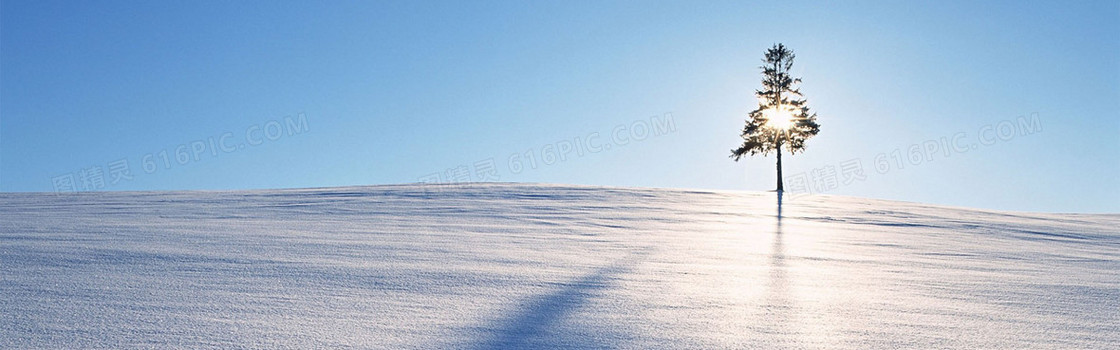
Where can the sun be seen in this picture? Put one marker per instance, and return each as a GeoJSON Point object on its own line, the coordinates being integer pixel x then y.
{"type": "Point", "coordinates": [779, 118]}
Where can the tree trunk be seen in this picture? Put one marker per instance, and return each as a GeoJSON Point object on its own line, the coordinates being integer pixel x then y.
{"type": "Point", "coordinates": [778, 104]}
{"type": "Point", "coordinates": [780, 166]}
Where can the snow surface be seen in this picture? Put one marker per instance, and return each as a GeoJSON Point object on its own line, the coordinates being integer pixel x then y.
{"type": "Point", "coordinates": [487, 266]}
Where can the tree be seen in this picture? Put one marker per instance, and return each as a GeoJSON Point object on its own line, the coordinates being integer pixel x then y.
{"type": "Point", "coordinates": [782, 117]}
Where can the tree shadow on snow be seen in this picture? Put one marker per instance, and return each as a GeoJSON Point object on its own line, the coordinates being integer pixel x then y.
{"type": "Point", "coordinates": [540, 321]}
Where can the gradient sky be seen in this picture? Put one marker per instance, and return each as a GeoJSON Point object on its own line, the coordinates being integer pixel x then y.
{"type": "Point", "coordinates": [404, 91]}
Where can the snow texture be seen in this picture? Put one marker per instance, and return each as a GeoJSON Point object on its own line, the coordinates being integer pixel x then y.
{"type": "Point", "coordinates": [497, 266]}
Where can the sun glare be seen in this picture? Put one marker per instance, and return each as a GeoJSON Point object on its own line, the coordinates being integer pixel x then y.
{"type": "Point", "coordinates": [779, 118]}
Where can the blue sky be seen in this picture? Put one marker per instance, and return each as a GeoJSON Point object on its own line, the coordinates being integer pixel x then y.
{"type": "Point", "coordinates": [273, 94]}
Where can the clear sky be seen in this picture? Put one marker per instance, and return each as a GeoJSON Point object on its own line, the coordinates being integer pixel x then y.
{"type": "Point", "coordinates": [1004, 105]}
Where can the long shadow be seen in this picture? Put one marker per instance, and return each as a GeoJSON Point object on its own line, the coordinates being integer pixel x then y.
{"type": "Point", "coordinates": [778, 251]}
{"type": "Point", "coordinates": [779, 212]}
{"type": "Point", "coordinates": [535, 325]}
{"type": "Point", "coordinates": [778, 301]}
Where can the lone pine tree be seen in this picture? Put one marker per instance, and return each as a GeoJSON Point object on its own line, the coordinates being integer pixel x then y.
{"type": "Point", "coordinates": [782, 117]}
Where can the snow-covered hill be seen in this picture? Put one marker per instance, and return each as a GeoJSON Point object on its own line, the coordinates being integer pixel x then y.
{"type": "Point", "coordinates": [514, 265]}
